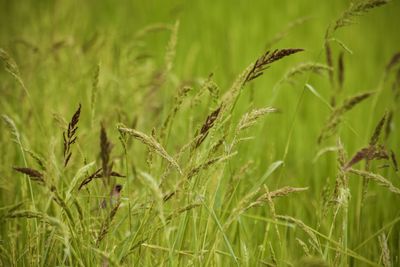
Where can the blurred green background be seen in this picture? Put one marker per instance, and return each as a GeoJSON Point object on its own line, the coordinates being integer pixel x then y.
{"type": "Point", "coordinates": [57, 44]}
{"type": "Point", "coordinates": [48, 40]}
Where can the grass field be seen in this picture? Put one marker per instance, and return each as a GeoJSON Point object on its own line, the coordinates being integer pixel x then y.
{"type": "Point", "coordinates": [199, 133]}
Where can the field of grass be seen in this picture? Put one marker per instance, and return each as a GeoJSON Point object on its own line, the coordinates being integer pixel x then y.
{"type": "Point", "coordinates": [199, 133]}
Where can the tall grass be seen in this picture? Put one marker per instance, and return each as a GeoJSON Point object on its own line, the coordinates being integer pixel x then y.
{"type": "Point", "coordinates": [135, 161]}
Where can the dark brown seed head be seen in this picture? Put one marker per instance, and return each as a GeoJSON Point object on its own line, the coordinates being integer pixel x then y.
{"type": "Point", "coordinates": [378, 130]}
{"type": "Point", "coordinates": [208, 124]}
{"type": "Point", "coordinates": [28, 171]}
{"type": "Point", "coordinates": [268, 58]}
{"type": "Point", "coordinates": [34, 175]}
{"type": "Point", "coordinates": [341, 70]}
{"type": "Point", "coordinates": [70, 135]}
{"type": "Point", "coordinates": [105, 147]}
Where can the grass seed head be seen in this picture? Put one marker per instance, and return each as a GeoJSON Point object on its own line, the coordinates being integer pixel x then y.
{"type": "Point", "coordinates": [356, 10]}
{"type": "Point", "coordinates": [105, 152]}
{"type": "Point", "coordinates": [70, 135]}
{"type": "Point", "coordinates": [208, 124]}
{"type": "Point", "coordinates": [268, 58]}
{"type": "Point", "coordinates": [33, 174]}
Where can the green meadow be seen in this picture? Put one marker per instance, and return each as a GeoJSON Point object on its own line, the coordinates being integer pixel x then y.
{"type": "Point", "coordinates": [199, 133]}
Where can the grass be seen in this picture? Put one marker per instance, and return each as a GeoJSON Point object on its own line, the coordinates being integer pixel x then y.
{"type": "Point", "coordinates": [199, 134]}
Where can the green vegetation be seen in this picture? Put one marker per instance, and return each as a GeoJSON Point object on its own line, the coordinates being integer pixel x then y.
{"type": "Point", "coordinates": [199, 133]}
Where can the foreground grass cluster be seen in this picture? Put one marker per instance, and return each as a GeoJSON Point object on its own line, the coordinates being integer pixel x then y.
{"type": "Point", "coordinates": [110, 158]}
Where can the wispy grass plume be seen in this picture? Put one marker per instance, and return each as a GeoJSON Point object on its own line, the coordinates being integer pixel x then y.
{"type": "Point", "coordinates": [152, 144]}
{"type": "Point", "coordinates": [250, 118]}
{"type": "Point", "coordinates": [306, 67]}
{"type": "Point", "coordinates": [356, 10]}
{"type": "Point", "coordinates": [377, 178]}
{"type": "Point", "coordinates": [95, 89]}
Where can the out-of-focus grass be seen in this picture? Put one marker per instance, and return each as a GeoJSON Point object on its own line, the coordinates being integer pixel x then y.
{"type": "Point", "coordinates": [57, 46]}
